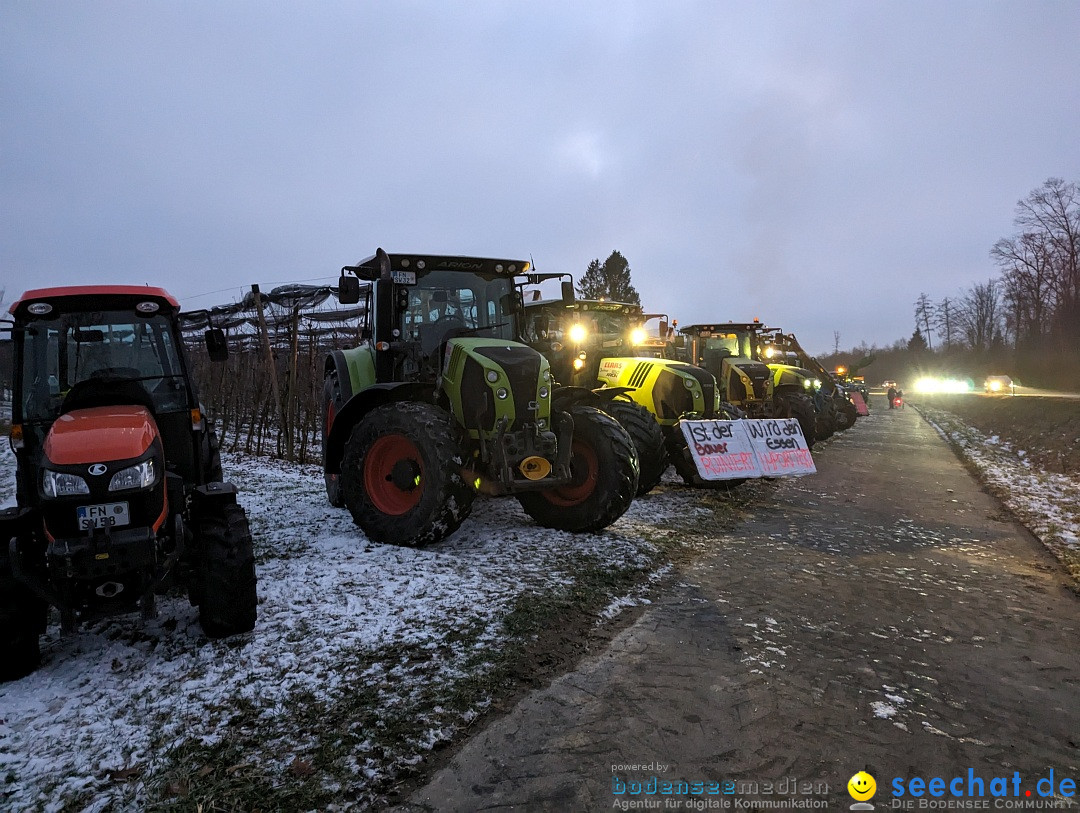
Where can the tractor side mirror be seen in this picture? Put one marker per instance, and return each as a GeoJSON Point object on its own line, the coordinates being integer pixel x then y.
{"type": "Point", "coordinates": [567, 290]}
{"type": "Point", "coordinates": [348, 290]}
{"type": "Point", "coordinates": [216, 345]}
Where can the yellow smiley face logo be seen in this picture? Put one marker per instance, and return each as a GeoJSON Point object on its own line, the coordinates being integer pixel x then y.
{"type": "Point", "coordinates": [861, 786]}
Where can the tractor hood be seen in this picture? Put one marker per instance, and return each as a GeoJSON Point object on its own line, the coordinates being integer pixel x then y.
{"type": "Point", "coordinates": [488, 379]}
{"type": "Point", "coordinates": [788, 375]}
{"type": "Point", "coordinates": [99, 434]}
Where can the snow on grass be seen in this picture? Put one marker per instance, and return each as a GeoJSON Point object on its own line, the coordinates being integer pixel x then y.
{"type": "Point", "coordinates": [339, 618]}
{"type": "Point", "coordinates": [1047, 503]}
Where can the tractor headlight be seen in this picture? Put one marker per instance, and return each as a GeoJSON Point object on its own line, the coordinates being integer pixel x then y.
{"type": "Point", "coordinates": [502, 394]}
{"type": "Point", "coordinates": [807, 383]}
{"type": "Point", "coordinates": [579, 364]}
{"type": "Point", "coordinates": [638, 336]}
{"type": "Point", "coordinates": [817, 383]}
{"type": "Point", "coordinates": [492, 376]}
{"type": "Point", "coordinates": [140, 475]}
{"type": "Point", "coordinates": [578, 333]}
{"type": "Point", "coordinates": [543, 392]}
{"type": "Point", "coordinates": [688, 383]}
{"type": "Point", "coordinates": [62, 484]}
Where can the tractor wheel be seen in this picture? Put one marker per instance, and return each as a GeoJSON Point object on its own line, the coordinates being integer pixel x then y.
{"type": "Point", "coordinates": [401, 476]}
{"type": "Point", "coordinates": [21, 619]}
{"type": "Point", "coordinates": [825, 423]}
{"type": "Point", "coordinates": [331, 398]}
{"type": "Point", "coordinates": [683, 461]}
{"type": "Point", "coordinates": [846, 416]}
{"type": "Point", "coordinates": [648, 439]}
{"type": "Point", "coordinates": [225, 571]}
{"type": "Point", "coordinates": [604, 471]}
{"type": "Point", "coordinates": [790, 405]}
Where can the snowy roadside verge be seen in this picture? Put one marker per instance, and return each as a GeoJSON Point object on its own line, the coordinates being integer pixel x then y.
{"type": "Point", "coordinates": [1047, 503]}
{"type": "Point", "coordinates": [365, 659]}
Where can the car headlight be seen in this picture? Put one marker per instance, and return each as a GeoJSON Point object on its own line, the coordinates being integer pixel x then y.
{"type": "Point", "coordinates": [140, 475]}
{"type": "Point", "coordinates": [62, 484]}
{"type": "Point", "coordinates": [578, 333]}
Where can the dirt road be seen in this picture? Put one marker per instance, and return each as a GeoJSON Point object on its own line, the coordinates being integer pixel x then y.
{"type": "Point", "coordinates": [885, 615]}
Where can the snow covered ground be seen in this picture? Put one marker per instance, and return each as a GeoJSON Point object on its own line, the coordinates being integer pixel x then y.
{"type": "Point", "coordinates": [99, 722]}
{"type": "Point", "coordinates": [1046, 502]}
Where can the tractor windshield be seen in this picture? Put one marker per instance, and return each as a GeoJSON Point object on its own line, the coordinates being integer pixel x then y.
{"type": "Point", "coordinates": [443, 304]}
{"type": "Point", "coordinates": [728, 344]}
{"type": "Point", "coordinates": [60, 353]}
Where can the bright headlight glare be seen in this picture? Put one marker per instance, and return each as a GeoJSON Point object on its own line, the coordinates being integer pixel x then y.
{"type": "Point", "coordinates": [638, 336]}
{"type": "Point", "coordinates": [806, 382]}
{"type": "Point", "coordinates": [578, 333]}
{"type": "Point", "coordinates": [817, 383]}
{"type": "Point", "coordinates": [579, 363]}
{"type": "Point", "coordinates": [140, 475]}
{"type": "Point", "coordinates": [62, 484]}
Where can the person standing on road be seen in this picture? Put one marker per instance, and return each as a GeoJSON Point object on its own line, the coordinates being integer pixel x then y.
{"type": "Point", "coordinates": [891, 396]}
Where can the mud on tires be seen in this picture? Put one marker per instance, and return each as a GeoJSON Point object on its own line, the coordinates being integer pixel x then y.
{"type": "Point", "coordinates": [401, 475]}
{"type": "Point", "coordinates": [647, 437]}
{"type": "Point", "coordinates": [604, 467]}
{"type": "Point", "coordinates": [225, 571]}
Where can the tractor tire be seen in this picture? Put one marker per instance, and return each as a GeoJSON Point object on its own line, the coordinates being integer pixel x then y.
{"type": "Point", "coordinates": [648, 439]}
{"type": "Point", "coordinates": [683, 461]}
{"type": "Point", "coordinates": [225, 571]}
{"type": "Point", "coordinates": [401, 476]}
{"type": "Point", "coordinates": [331, 398]}
{"type": "Point", "coordinates": [22, 617]}
{"type": "Point", "coordinates": [605, 473]}
{"type": "Point", "coordinates": [825, 423]}
{"type": "Point", "coordinates": [846, 417]}
{"type": "Point", "coordinates": [790, 405]}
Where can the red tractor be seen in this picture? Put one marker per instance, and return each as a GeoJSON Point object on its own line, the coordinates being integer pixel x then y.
{"type": "Point", "coordinates": [118, 477]}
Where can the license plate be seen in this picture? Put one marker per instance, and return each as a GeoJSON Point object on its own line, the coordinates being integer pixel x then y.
{"type": "Point", "coordinates": [106, 515]}
{"type": "Point", "coordinates": [403, 277]}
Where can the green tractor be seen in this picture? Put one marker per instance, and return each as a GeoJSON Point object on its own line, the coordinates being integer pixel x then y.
{"type": "Point", "coordinates": [733, 353]}
{"type": "Point", "coordinates": [835, 409]}
{"type": "Point", "coordinates": [440, 402]}
{"type": "Point", "coordinates": [604, 347]}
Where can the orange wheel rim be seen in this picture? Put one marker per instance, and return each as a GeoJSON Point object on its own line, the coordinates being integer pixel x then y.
{"type": "Point", "coordinates": [394, 475]}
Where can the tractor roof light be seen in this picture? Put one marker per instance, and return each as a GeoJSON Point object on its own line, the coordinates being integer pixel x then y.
{"type": "Point", "coordinates": [148, 307]}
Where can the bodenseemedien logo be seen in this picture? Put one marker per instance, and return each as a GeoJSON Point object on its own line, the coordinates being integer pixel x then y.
{"type": "Point", "coordinates": [861, 787]}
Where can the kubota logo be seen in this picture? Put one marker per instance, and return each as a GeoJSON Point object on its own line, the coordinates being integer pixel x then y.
{"type": "Point", "coordinates": [97, 469]}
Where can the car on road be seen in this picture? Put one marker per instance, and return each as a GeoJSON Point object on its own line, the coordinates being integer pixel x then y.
{"type": "Point", "coordinates": [998, 383]}
{"type": "Point", "coordinates": [887, 383]}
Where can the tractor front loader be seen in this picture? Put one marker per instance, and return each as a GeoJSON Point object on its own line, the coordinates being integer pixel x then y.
{"type": "Point", "coordinates": [439, 402]}
{"type": "Point", "coordinates": [118, 476]}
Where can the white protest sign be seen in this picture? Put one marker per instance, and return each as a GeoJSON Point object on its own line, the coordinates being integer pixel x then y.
{"type": "Point", "coordinates": [769, 447]}
{"type": "Point", "coordinates": [780, 447]}
{"type": "Point", "coordinates": [721, 449]}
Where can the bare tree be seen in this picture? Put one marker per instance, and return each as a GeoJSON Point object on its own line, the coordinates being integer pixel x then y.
{"type": "Point", "coordinates": [978, 314]}
{"type": "Point", "coordinates": [924, 311]}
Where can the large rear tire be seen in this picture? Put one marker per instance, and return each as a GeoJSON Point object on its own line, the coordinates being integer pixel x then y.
{"type": "Point", "coordinates": [331, 398]}
{"type": "Point", "coordinates": [800, 407]}
{"type": "Point", "coordinates": [401, 476]}
{"type": "Point", "coordinates": [647, 437]}
{"type": "Point", "coordinates": [604, 468]}
{"type": "Point", "coordinates": [225, 571]}
{"type": "Point", "coordinates": [683, 461]}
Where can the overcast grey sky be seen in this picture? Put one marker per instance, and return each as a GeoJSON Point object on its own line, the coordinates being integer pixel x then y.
{"type": "Point", "coordinates": [813, 164]}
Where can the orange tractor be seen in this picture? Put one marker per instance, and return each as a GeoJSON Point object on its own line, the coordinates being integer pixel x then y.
{"type": "Point", "coordinates": [118, 478]}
